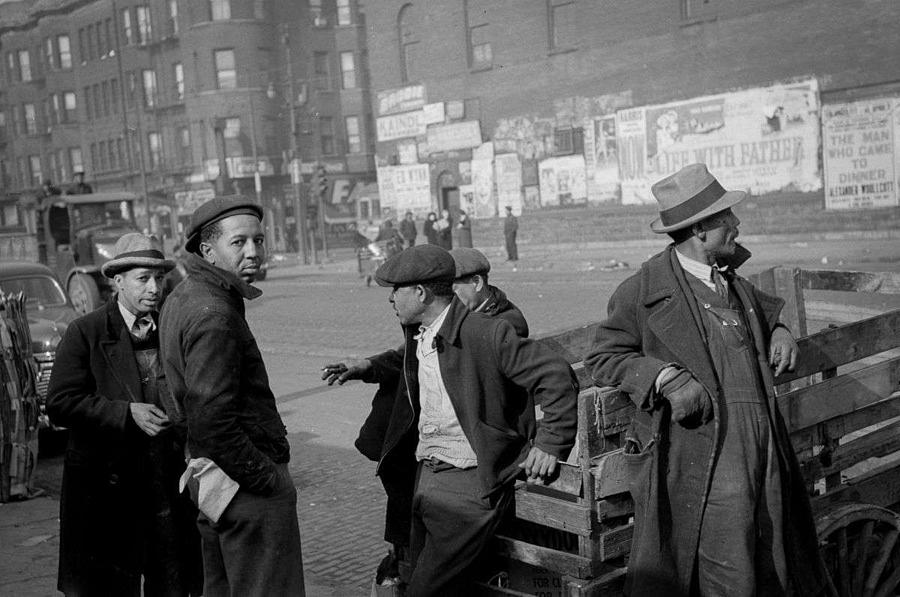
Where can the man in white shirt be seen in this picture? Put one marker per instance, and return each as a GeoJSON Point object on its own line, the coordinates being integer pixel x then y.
{"type": "Point", "coordinates": [720, 504]}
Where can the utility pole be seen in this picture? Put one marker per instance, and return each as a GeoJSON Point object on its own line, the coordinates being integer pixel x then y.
{"type": "Point", "coordinates": [299, 199]}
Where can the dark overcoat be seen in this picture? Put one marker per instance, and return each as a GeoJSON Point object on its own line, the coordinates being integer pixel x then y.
{"type": "Point", "coordinates": [651, 323]}
{"type": "Point", "coordinates": [106, 477]}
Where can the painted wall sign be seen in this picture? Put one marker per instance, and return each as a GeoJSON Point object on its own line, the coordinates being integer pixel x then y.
{"type": "Point", "coordinates": [400, 126]}
{"type": "Point", "coordinates": [860, 151]}
{"type": "Point", "coordinates": [761, 140]}
{"type": "Point", "coordinates": [403, 99]}
{"type": "Point", "coordinates": [456, 135]}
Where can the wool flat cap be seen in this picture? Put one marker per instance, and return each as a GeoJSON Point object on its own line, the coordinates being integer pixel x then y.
{"type": "Point", "coordinates": [216, 209]}
{"type": "Point", "coordinates": [469, 261]}
{"type": "Point", "coordinates": [422, 263]}
{"type": "Point", "coordinates": [136, 250]}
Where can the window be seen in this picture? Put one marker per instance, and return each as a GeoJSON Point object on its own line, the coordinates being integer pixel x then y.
{"type": "Point", "coordinates": [320, 70]}
{"type": "Point", "coordinates": [105, 93]}
{"type": "Point", "coordinates": [114, 95]}
{"type": "Point", "coordinates": [480, 54]}
{"type": "Point", "coordinates": [225, 73]}
{"type": "Point", "coordinates": [102, 155]}
{"type": "Point", "coordinates": [259, 10]}
{"type": "Point", "coordinates": [95, 161]}
{"type": "Point", "coordinates": [110, 42]}
{"type": "Point", "coordinates": [75, 159]}
{"type": "Point", "coordinates": [407, 41]}
{"type": "Point", "coordinates": [61, 161]}
{"type": "Point", "coordinates": [354, 141]}
{"type": "Point", "coordinates": [154, 150]}
{"type": "Point", "coordinates": [232, 133]}
{"type": "Point", "coordinates": [348, 70]}
{"type": "Point", "coordinates": [132, 88]}
{"type": "Point", "coordinates": [91, 54]}
{"type": "Point", "coordinates": [53, 167]}
{"type": "Point", "coordinates": [48, 52]}
{"type": "Point", "coordinates": [145, 32]}
{"type": "Point", "coordinates": [70, 107]}
{"type": "Point", "coordinates": [30, 119]}
{"type": "Point", "coordinates": [102, 50]}
{"type": "Point", "coordinates": [178, 75]}
{"type": "Point", "coordinates": [24, 65]}
{"type": "Point", "coordinates": [173, 18]}
{"type": "Point", "coordinates": [315, 9]}
{"type": "Point", "coordinates": [344, 16]}
{"type": "Point", "coordinates": [97, 100]}
{"type": "Point", "coordinates": [34, 168]}
{"type": "Point", "coordinates": [562, 23]}
{"type": "Point", "coordinates": [326, 132]}
{"type": "Point", "coordinates": [120, 152]}
{"type": "Point", "coordinates": [64, 51]}
{"type": "Point", "coordinates": [47, 115]}
{"type": "Point", "coordinates": [111, 152]}
{"type": "Point", "coordinates": [88, 107]}
{"type": "Point", "coordinates": [219, 10]}
{"type": "Point", "coordinates": [184, 145]}
{"type": "Point", "coordinates": [127, 29]}
{"type": "Point", "coordinates": [2, 119]}
{"type": "Point", "coordinates": [82, 47]}
{"type": "Point", "coordinates": [568, 140]}
{"type": "Point", "coordinates": [149, 79]}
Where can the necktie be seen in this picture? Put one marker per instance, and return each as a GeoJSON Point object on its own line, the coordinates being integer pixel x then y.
{"type": "Point", "coordinates": [719, 282]}
{"type": "Point", "coordinates": [142, 327]}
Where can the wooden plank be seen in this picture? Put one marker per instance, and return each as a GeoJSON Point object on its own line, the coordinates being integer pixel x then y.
{"type": "Point", "coordinates": [832, 348]}
{"type": "Point", "coordinates": [880, 282]}
{"type": "Point", "coordinates": [839, 313]}
{"type": "Point", "coordinates": [879, 486]}
{"type": "Point", "coordinates": [617, 410]}
{"type": "Point", "coordinates": [553, 512]}
{"type": "Point", "coordinates": [840, 395]}
{"type": "Point", "coordinates": [817, 435]}
{"type": "Point", "coordinates": [615, 543]}
{"type": "Point", "coordinates": [614, 506]}
{"type": "Point", "coordinates": [543, 557]}
{"type": "Point", "coordinates": [880, 442]}
{"type": "Point", "coordinates": [610, 474]}
{"type": "Point", "coordinates": [569, 480]}
{"type": "Point", "coordinates": [787, 286]}
{"type": "Point", "coordinates": [610, 584]}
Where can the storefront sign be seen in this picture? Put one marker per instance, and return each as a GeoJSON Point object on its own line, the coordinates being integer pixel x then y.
{"type": "Point", "coordinates": [860, 152]}
{"type": "Point", "coordinates": [240, 167]}
{"type": "Point", "coordinates": [457, 135]}
{"type": "Point", "coordinates": [400, 126]}
{"type": "Point", "coordinates": [392, 101]}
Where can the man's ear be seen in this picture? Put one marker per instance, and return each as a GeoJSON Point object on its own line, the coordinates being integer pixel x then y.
{"type": "Point", "coordinates": [422, 294]}
{"type": "Point", "coordinates": [479, 284]}
{"type": "Point", "coordinates": [699, 231]}
{"type": "Point", "coordinates": [206, 252]}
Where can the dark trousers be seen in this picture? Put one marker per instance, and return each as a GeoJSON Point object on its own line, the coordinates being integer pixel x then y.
{"type": "Point", "coordinates": [451, 525]}
{"type": "Point", "coordinates": [254, 548]}
{"type": "Point", "coordinates": [512, 250]}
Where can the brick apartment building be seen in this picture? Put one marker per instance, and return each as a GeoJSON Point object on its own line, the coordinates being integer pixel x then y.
{"type": "Point", "coordinates": [540, 103]}
{"type": "Point", "coordinates": [155, 95]}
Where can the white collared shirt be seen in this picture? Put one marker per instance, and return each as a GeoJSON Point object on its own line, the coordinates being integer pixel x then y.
{"type": "Point", "coordinates": [440, 434]}
{"type": "Point", "coordinates": [130, 317]}
{"type": "Point", "coordinates": [700, 270]}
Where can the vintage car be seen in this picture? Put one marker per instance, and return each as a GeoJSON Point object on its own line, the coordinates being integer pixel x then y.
{"type": "Point", "coordinates": [49, 314]}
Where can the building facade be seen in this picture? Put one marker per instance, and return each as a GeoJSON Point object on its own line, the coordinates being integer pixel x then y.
{"type": "Point", "coordinates": [544, 103]}
{"type": "Point", "coordinates": [179, 100]}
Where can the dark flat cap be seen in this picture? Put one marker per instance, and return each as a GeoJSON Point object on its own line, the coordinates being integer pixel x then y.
{"type": "Point", "coordinates": [469, 261]}
{"type": "Point", "coordinates": [216, 209]}
{"type": "Point", "coordinates": [422, 263]}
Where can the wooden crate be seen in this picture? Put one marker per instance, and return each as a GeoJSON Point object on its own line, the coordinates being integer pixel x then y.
{"type": "Point", "coordinates": [840, 406]}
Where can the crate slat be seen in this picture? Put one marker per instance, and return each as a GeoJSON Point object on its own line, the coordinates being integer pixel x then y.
{"type": "Point", "coordinates": [880, 442]}
{"type": "Point", "coordinates": [573, 517]}
{"type": "Point", "coordinates": [544, 557]}
{"type": "Point", "coordinates": [817, 435]}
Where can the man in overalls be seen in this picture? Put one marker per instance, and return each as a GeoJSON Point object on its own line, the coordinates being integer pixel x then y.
{"type": "Point", "coordinates": [720, 506]}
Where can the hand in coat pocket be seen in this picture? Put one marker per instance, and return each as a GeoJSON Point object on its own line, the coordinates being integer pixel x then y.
{"type": "Point", "coordinates": [688, 399]}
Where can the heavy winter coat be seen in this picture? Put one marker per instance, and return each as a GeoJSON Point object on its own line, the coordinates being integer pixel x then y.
{"type": "Point", "coordinates": [217, 376]}
{"type": "Point", "coordinates": [107, 492]}
{"type": "Point", "coordinates": [653, 322]}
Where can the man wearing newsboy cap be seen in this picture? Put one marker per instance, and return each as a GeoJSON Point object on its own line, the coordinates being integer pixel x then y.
{"type": "Point", "coordinates": [238, 468]}
{"type": "Point", "coordinates": [465, 420]}
{"type": "Point", "coordinates": [720, 506]}
{"type": "Point", "coordinates": [123, 523]}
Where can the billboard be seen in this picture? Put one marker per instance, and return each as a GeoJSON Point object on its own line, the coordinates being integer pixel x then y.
{"type": "Point", "coordinates": [400, 126]}
{"type": "Point", "coordinates": [860, 151]}
{"type": "Point", "coordinates": [403, 99]}
{"type": "Point", "coordinates": [562, 180]}
{"type": "Point", "coordinates": [508, 173]}
{"type": "Point", "coordinates": [759, 140]}
{"type": "Point", "coordinates": [405, 188]}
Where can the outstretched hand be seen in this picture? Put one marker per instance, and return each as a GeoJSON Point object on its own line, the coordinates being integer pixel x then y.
{"type": "Point", "coordinates": [783, 350]}
{"type": "Point", "coordinates": [539, 466]}
{"type": "Point", "coordinates": [345, 371]}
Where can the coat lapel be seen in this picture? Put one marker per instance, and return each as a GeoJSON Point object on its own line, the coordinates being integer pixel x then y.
{"type": "Point", "coordinates": [117, 351]}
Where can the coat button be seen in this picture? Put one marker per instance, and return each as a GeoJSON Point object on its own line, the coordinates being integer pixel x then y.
{"type": "Point", "coordinates": [114, 479]}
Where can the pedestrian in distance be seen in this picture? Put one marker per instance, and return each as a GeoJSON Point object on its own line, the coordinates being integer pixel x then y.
{"type": "Point", "coordinates": [720, 505]}
{"type": "Point", "coordinates": [431, 235]}
{"type": "Point", "coordinates": [239, 453]}
{"type": "Point", "coordinates": [444, 228]}
{"type": "Point", "coordinates": [471, 286]}
{"type": "Point", "coordinates": [464, 230]}
{"type": "Point", "coordinates": [469, 433]}
{"type": "Point", "coordinates": [408, 230]}
{"type": "Point", "coordinates": [510, 230]}
{"type": "Point", "coordinates": [123, 523]}
{"type": "Point", "coordinates": [80, 187]}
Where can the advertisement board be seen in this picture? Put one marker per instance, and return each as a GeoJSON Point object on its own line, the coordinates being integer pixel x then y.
{"type": "Point", "coordinates": [859, 148]}
{"type": "Point", "coordinates": [759, 140]}
{"type": "Point", "coordinates": [400, 126]}
{"type": "Point", "coordinates": [600, 159]}
{"type": "Point", "coordinates": [405, 188]}
{"type": "Point", "coordinates": [508, 174]}
{"type": "Point", "coordinates": [561, 180]}
{"type": "Point", "coordinates": [457, 135]}
{"type": "Point", "coordinates": [403, 99]}
{"type": "Point", "coordinates": [483, 188]}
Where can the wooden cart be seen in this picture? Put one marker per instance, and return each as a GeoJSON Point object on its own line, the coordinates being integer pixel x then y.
{"type": "Point", "coordinates": [841, 405]}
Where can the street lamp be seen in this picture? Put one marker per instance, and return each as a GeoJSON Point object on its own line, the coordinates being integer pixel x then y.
{"type": "Point", "coordinates": [299, 199]}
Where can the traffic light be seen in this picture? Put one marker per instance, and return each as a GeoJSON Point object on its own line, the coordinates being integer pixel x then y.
{"type": "Point", "coordinates": [319, 181]}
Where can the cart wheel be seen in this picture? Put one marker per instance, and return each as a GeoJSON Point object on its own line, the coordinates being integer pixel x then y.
{"type": "Point", "coordinates": [859, 545]}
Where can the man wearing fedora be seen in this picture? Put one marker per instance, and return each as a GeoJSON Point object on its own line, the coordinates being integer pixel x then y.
{"type": "Point", "coordinates": [465, 425]}
{"type": "Point", "coordinates": [121, 516]}
{"type": "Point", "coordinates": [720, 505]}
{"type": "Point", "coordinates": [239, 453]}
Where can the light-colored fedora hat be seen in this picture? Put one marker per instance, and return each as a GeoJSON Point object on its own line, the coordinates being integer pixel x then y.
{"type": "Point", "coordinates": [688, 196]}
{"type": "Point", "coordinates": [136, 250]}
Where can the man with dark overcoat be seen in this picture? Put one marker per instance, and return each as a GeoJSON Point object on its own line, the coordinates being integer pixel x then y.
{"type": "Point", "coordinates": [720, 505]}
{"type": "Point", "coordinates": [237, 441]}
{"type": "Point", "coordinates": [510, 230]}
{"type": "Point", "coordinates": [408, 230]}
{"type": "Point", "coordinates": [123, 523]}
{"type": "Point", "coordinates": [465, 424]}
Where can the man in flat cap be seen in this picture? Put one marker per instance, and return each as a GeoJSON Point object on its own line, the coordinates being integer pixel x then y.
{"type": "Point", "coordinates": [720, 505]}
{"type": "Point", "coordinates": [123, 523]}
{"type": "Point", "coordinates": [471, 285]}
{"type": "Point", "coordinates": [465, 424]}
{"type": "Point", "coordinates": [238, 446]}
